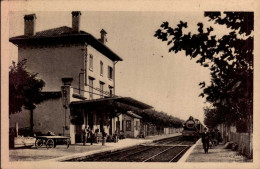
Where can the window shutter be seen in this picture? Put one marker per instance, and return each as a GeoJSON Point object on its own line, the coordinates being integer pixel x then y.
{"type": "Point", "coordinates": [108, 71]}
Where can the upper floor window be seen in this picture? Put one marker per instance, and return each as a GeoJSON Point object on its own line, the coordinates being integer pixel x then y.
{"type": "Point", "coordinates": [91, 62]}
{"type": "Point", "coordinates": [101, 86]}
{"type": "Point", "coordinates": [101, 68]}
{"type": "Point", "coordinates": [110, 72]}
{"type": "Point", "coordinates": [85, 74]}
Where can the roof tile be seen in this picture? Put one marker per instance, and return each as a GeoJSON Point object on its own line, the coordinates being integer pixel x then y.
{"type": "Point", "coordinates": [67, 31]}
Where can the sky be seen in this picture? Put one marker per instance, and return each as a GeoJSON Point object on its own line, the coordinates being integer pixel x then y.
{"type": "Point", "coordinates": [148, 72]}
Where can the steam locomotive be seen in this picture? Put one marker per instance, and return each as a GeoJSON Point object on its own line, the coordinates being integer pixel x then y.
{"type": "Point", "coordinates": [192, 128]}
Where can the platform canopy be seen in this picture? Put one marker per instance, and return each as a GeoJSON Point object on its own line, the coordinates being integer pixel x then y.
{"type": "Point", "coordinates": [117, 104]}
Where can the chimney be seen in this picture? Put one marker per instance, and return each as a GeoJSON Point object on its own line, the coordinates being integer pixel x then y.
{"type": "Point", "coordinates": [76, 21]}
{"type": "Point", "coordinates": [29, 24]}
{"type": "Point", "coordinates": [103, 34]}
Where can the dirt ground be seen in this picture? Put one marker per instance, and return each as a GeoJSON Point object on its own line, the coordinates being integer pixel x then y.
{"type": "Point", "coordinates": [33, 154]}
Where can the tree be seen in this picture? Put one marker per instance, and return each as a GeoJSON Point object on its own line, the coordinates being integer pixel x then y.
{"type": "Point", "coordinates": [229, 58]}
{"type": "Point", "coordinates": [159, 118]}
{"type": "Point", "coordinates": [24, 90]}
{"type": "Point", "coordinates": [212, 117]}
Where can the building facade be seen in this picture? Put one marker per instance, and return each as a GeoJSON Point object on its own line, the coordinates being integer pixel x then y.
{"type": "Point", "coordinates": [80, 70]}
{"type": "Point", "coordinates": [131, 124]}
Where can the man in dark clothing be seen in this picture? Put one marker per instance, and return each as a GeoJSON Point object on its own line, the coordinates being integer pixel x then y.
{"type": "Point", "coordinates": [90, 136]}
{"type": "Point", "coordinates": [205, 140]}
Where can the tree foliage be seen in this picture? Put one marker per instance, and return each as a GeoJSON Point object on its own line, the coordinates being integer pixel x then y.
{"type": "Point", "coordinates": [159, 118]}
{"type": "Point", "coordinates": [212, 117]}
{"type": "Point", "coordinates": [229, 58]}
{"type": "Point", "coordinates": [24, 88]}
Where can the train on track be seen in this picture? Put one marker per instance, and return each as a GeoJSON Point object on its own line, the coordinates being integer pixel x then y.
{"type": "Point", "coordinates": [192, 128]}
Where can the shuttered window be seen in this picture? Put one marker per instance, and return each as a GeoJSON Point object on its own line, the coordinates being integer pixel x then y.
{"type": "Point", "coordinates": [91, 82]}
{"type": "Point", "coordinates": [110, 72]}
{"type": "Point", "coordinates": [128, 125]}
{"type": "Point", "coordinates": [91, 62]}
{"type": "Point", "coordinates": [101, 68]}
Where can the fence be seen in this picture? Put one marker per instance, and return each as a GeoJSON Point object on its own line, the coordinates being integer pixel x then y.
{"type": "Point", "coordinates": [244, 141]}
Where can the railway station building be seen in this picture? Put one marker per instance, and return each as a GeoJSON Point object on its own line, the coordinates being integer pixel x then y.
{"type": "Point", "coordinates": [79, 74]}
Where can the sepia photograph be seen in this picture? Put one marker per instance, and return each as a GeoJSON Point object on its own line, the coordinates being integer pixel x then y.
{"type": "Point", "coordinates": [120, 86]}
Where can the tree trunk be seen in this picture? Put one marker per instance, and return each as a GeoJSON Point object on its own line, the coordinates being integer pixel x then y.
{"type": "Point", "coordinates": [31, 121]}
{"type": "Point", "coordinates": [250, 132]}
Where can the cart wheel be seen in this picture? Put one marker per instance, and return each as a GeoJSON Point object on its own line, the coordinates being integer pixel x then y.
{"type": "Point", "coordinates": [38, 143]}
{"type": "Point", "coordinates": [50, 143]}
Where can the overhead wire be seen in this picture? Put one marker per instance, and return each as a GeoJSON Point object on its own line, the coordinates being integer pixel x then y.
{"type": "Point", "coordinates": [99, 90]}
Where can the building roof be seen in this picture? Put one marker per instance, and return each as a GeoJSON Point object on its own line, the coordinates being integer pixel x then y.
{"type": "Point", "coordinates": [126, 102]}
{"type": "Point", "coordinates": [130, 113]}
{"type": "Point", "coordinates": [65, 33]}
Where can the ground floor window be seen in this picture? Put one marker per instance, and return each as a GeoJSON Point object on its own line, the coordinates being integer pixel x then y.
{"type": "Point", "coordinates": [128, 125]}
{"type": "Point", "coordinates": [111, 91]}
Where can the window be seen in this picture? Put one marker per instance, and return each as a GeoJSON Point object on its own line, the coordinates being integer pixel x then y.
{"type": "Point", "coordinates": [111, 90]}
{"type": "Point", "coordinates": [91, 62]}
{"type": "Point", "coordinates": [128, 125]}
{"type": "Point", "coordinates": [91, 81]}
{"type": "Point", "coordinates": [101, 87]}
{"type": "Point", "coordinates": [101, 68]}
{"type": "Point", "coordinates": [85, 67]}
{"type": "Point", "coordinates": [110, 72]}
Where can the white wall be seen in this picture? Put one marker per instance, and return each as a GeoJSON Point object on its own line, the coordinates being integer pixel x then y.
{"type": "Point", "coordinates": [95, 72]}
{"type": "Point", "coordinates": [22, 118]}
{"type": "Point", "coordinates": [52, 64]}
{"type": "Point", "coordinates": [48, 116]}
{"type": "Point", "coordinates": [136, 130]}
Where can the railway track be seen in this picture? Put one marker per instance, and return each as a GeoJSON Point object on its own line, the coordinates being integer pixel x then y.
{"type": "Point", "coordinates": [164, 150]}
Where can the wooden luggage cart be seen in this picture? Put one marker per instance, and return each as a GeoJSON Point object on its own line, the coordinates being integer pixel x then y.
{"type": "Point", "coordinates": [51, 141]}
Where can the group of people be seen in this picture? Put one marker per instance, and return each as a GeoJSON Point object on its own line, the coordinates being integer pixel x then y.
{"type": "Point", "coordinates": [210, 137]}
{"type": "Point", "coordinates": [88, 135]}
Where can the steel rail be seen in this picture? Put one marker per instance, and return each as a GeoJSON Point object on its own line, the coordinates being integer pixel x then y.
{"type": "Point", "coordinates": [113, 153]}
{"type": "Point", "coordinates": [168, 140]}
{"type": "Point", "coordinates": [188, 143]}
{"type": "Point", "coordinates": [177, 142]}
{"type": "Point", "coordinates": [171, 141]}
{"type": "Point", "coordinates": [98, 157]}
{"type": "Point", "coordinates": [179, 154]}
{"type": "Point", "coordinates": [134, 153]}
{"type": "Point", "coordinates": [158, 153]}
{"type": "Point", "coordinates": [181, 143]}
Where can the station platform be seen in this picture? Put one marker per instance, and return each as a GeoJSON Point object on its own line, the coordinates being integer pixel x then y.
{"type": "Point", "coordinates": [61, 153]}
{"type": "Point", "coordinates": [215, 154]}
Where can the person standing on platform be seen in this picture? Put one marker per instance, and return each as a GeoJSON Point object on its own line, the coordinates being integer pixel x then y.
{"type": "Point", "coordinates": [85, 135]}
{"type": "Point", "coordinates": [205, 140]}
{"type": "Point", "coordinates": [90, 136]}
